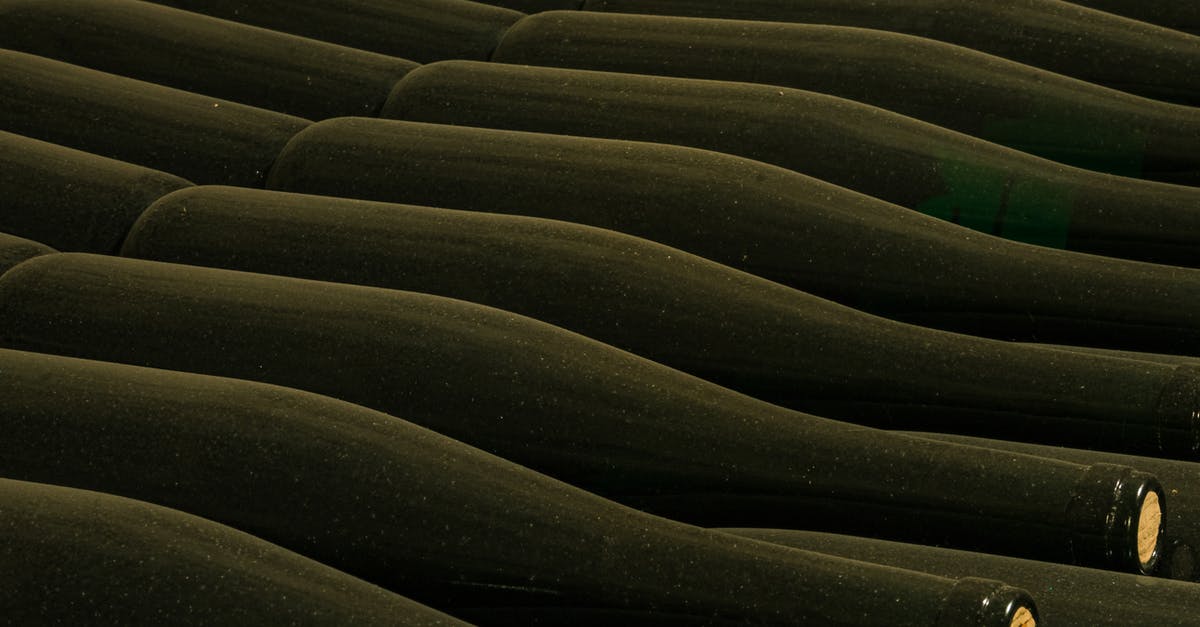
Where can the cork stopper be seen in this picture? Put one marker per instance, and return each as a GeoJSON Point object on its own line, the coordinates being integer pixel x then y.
{"type": "Point", "coordinates": [1023, 618]}
{"type": "Point", "coordinates": [1149, 523]}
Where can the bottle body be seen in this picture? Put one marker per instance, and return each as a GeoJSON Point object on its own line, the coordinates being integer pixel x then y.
{"type": "Point", "coordinates": [737, 330]}
{"type": "Point", "coordinates": [71, 199]}
{"type": "Point", "coordinates": [416, 512]}
{"type": "Point", "coordinates": [978, 94]}
{"type": "Point", "coordinates": [570, 407]}
{"type": "Point", "coordinates": [202, 139]}
{"type": "Point", "coordinates": [1089, 45]}
{"type": "Point", "coordinates": [81, 554]}
{"type": "Point", "coordinates": [1068, 595]}
{"type": "Point", "coordinates": [421, 30]}
{"type": "Point", "coordinates": [929, 169]}
{"type": "Point", "coordinates": [204, 55]}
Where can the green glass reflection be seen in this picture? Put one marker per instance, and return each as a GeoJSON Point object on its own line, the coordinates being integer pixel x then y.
{"type": "Point", "coordinates": [1031, 209]}
{"type": "Point", "coordinates": [994, 202]}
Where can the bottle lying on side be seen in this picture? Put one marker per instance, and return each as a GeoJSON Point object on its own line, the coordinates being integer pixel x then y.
{"type": "Point", "coordinates": [582, 411]}
{"type": "Point", "coordinates": [203, 139]}
{"type": "Point", "coordinates": [764, 220]}
{"type": "Point", "coordinates": [14, 250]}
{"type": "Point", "coordinates": [1181, 539]}
{"type": "Point", "coordinates": [77, 201]}
{"type": "Point", "coordinates": [1082, 43]}
{"type": "Point", "coordinates": [421, 30]}
{"type": "Point", "coordinates": [685, 312]}
{"type": "Point", "coordinates": [1067, 595]}
{"type": "Point", "coordinates": [972, 92]}
{"type": "Point", "coordinates": [78, 557]}
{"type": "Point", "coordinates": [1183, 16]}
{"type": "Point", "coordinates": [73, 200]}
{"type": "Point", "coordinates": [935, 171]}
{"type": "Point", "coordinates": [197, 53]}
{"type": "Point", "coordinates": [436, 520]}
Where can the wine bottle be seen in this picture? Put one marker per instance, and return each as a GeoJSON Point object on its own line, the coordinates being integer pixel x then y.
{"type": "Point", "coordinates": [644, 297]}
{"type": "Point", "coordinates": [661, 303]}
{"type": "Point", "coordinates": [938, 172]}
{"type": "Point", "coordinates": [14, 250]}
{"type": "Point", "coordinates": [1182, 16]}
{"type": "Point", "coordinates": [432, 518]}
{"type": "Point", "coordinates": [972, 92]}
{"type": "Point", "coordinates": [70, 199]}
{"type": "Point", "coordinates": [421, 30]}
{"type": "Point", "coordinates": [771, 222]}
{"type": "Point", "coordinates": [1056, 297]}
{"type": "Point", "coordinates": [218, 58]}
{"type": "Point", "coordinates": [78, 557]}
{"type": "Point", "coordinates": [1067, 595]}
{"type": "Point", "coordinates": [578, 410]}
{"type": "Point", "coordinates": [202, 139]}
{"type": "Point", "coordinates": [1181, 539]}
{"type": "Point", "coordinates": [685, 312]}
{"type": "Point", "coordinates": [1082, 43]}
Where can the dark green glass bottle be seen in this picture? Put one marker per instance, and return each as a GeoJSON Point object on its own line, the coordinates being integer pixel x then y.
{"type": "Point", "coordinates": [749, 334]}
{"type": "Point", "coordinates": [14, 250]}
{"type": "Point", "coordinates": [1181, 539]}
{"type": "Point", "coordinates": [203, 139]}
{"type": "Point", "coordinates": [1066, 595]}
{"type": "Point", "coordinates": [972, 92]}
{"type": "Point", "coordinates": [942, 173]}
{"type": "Point", "coordinates": [197, 53]}
{"type": "Point", "coordinates": [761, 219]}
{"type": "Point", "coordinates": [77, 557]}
{"type": "Point", "coordinates": [419, 513]}
{"type": "Point", "coordinates": [421, 30]}
{"type": "Point", "coordinates": [1066, 38]}
{"type": "Point", "coordinates": [597, 417]}
{"type": "Point", "coordinates": [73, 200]}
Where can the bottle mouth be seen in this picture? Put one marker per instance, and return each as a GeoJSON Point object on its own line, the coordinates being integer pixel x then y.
{"type": "Point", "coordinates": [1117, 514]}
{"type": "Point", "coordinates": [975, 601]}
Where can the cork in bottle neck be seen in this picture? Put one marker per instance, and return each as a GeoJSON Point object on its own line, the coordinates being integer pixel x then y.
{"type": "Point", "coordinates": [1149, 522]}
{"type": "Point", "coordinates": [1023, 618]}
